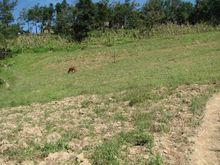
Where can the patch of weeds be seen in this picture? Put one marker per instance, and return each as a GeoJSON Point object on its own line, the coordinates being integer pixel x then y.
{"type": "Point", "coordinates": [85, 104]}
{"type": "Point", "coordinates": [36, 150]}
{"type": "Point", "coordinates": [119, 117]}
{"type": "Point", "coordinates": [140, 95]}
{"type": "Point", "coordinates": [15, 131]}
{"type": "Point", "coordinates": [51, 148]}
{"type": "Point", "coordinates": [46, 114]}
{"type": "Point", "coordinates": [137, 96]}
{"type": "Point", "coordinates": [137, 138]}
{"type": "Point", "coordinates": [107, 153]}
{"type": "Point", "coordinates": [143, 121]}
{"type": "Point", "coordinates": [69, 108]}
{"type": "Point", "coordinates": [160, 127]}
{"type": "Point", "coordinates": [68, 136]}
{"type": "Point", "coordinates": [27, 119]}
{"type": "Point", "coordinates": [99, 111]}
{"type": "Point", "coordinates": [162, 121]}
{"type": "Point", "coordinates": [165, 116]}
{"type": "Point", "coordinates": [49, 126]}
{"type": "Point", "coordinates": [13, 103]}
{"type": "Point", "coordinates": [198, 104]}
{"type": "Point", "coordinates": [87, 124]}
{"type": "Point", "coordinates": [156, 160]}
{"type": "Point", "coordinates": [195, 123]}
{"type": "Point", "coordinates": [21, 154]}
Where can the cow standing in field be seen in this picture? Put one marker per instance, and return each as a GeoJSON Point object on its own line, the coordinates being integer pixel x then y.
{"type": "Point", "coordinates": [72, 69]}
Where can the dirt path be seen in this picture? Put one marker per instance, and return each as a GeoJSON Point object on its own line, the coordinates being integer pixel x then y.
{"type": "Point", "coordinates": [207, 146]}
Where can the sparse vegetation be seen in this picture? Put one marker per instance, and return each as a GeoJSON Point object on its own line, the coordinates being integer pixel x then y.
{"type": "Point", "coordinates": [156, 161]}
{"type": "Point", "coordinates": [109, 151]}
{"type": "Point", "coordinates": [198, 104]}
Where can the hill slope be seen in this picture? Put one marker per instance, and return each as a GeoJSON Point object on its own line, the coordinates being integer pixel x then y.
{"type": "Point", "coordinates": [143, 108]}
{"type": "Point", "coordinates": [141, 65]}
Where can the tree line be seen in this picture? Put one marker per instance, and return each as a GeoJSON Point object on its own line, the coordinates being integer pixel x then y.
{"type": "Point", "coordinates": [76, 20]}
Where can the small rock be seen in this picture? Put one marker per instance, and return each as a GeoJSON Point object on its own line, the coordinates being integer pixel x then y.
{"type": "Point", "coordinates": [165, 151]}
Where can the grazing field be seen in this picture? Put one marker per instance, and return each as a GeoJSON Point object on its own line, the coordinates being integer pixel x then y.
{"type": "Point", "coordinates": [140, 108]}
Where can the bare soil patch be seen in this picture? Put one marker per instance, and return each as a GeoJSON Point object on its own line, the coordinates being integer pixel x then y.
{"type": "Point", "coordinates": [207, 146]}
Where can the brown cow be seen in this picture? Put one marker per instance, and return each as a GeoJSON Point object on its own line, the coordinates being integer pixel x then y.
{"type": "Point", "coordinates": [72, 69]}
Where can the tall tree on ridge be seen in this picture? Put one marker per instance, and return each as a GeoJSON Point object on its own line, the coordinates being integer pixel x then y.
{"type": "Point", "coordinates": [84, 19]}
{"type": "Point", "coordinates": [7, 29]}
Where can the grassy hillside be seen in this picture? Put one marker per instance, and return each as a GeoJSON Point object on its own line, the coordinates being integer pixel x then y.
{"type": "Point", "coordinates": [142, 109]}
{"type": "Point", "coordinates": [140, 65]}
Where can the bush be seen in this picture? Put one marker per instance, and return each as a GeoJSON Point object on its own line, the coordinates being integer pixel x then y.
{"type": "Point", "coordinates": [4, 53]}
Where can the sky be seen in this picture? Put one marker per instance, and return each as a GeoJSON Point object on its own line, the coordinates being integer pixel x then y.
{"type": "Point", "coordinates": [30, 3]}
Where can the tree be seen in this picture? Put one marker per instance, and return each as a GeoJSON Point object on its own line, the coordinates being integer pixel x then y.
{"type": "Point", "coordinates": [7, 30]}
{"type": "Point", "coordinates": [184, 13]}
{"type": "Point", "coordinates": [23, 19]}
{"type": "Point", "coordinates": [34, 15]}
{"type": "Point", "coordinates": [153, 12]}
{"type": "Point", "coordinates": [84, 19]}
{"type": "Point", "coordinates": [46, 17]}
{"type": "Point", "coordinates": [124, 14]}
{"type": "Point", "coordinates": [214, 10]}
{"type": "Point", "coordinates": [64, 18]}
{"type": "Point", "coordinates": [208, 11]}
{"type": "Point", "coordinates": [50, 16]}
{"type": "Point", "coordinates": [102, 14]}
{"type": "Point", "coordinates": [6, 7]}
{"type": "Point", "coordinates": [75, 21]}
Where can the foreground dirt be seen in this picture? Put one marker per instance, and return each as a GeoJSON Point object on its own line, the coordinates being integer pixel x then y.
{"type": "Point", "coordinates": [207, 147]}
{"type": "Point", "coordinates": [68, 131]}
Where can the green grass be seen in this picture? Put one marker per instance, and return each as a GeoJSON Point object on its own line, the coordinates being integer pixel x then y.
{"type": "Point", "coordinates": [109, 151]}
{"type": "Point", "coordinates": [198, 104]}
{"type": "Point", "coordinates": [140, 66]}
{"type": "Point", "coordinates": [156, 161]}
